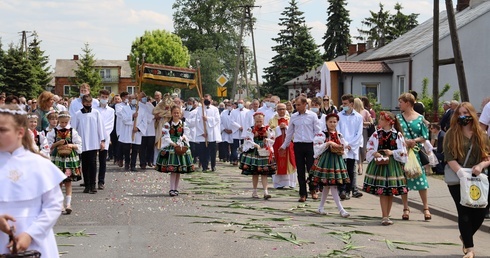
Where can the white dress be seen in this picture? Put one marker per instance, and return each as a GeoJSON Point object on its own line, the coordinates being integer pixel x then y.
{"type": "Point", "coordinates": [30, 192]}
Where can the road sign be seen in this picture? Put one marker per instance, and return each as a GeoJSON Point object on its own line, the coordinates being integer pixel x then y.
{"type": "Point", "coordinates": [222, 92]}
{"type": "Point", "coordinates": [222, 80]}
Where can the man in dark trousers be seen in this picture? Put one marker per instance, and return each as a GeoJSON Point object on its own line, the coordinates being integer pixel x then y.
{"type": "Point", "coordinates": [303, 125]}
{"type": "Point", "coordinates": [446, 117]}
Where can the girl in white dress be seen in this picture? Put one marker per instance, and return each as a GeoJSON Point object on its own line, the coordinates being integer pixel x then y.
{"type": "Point", "coordinates": [30, 191]}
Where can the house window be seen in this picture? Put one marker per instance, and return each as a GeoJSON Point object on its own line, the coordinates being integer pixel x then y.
{"type": "Point", "coordinates": [131, 89]}
{"type": "Point", "coordinates": [105, 73]}
{"type": "Point", "coordinates": [69, 89]}
{"type": "Point", "coordinates": [401, 85]}
{"type": "Point", "coordinates": [371, 89]}
{"type": "Point", "coordinates": [108, 88]}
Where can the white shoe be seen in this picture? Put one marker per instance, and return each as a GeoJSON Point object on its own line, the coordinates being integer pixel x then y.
{"type": "Point", "coordinates": [322, 211]}
{"type": "Point", "coordinates": [386, 221]}
{"type": "Point", "coordinates": [344, 214]}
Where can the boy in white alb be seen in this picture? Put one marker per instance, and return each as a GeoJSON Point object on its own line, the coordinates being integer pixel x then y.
{"type": "Point", "coordinates": [107, 115]}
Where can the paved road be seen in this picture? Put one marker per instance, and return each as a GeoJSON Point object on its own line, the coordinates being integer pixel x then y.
{"type": "Point", "coordinates": [215, 216]}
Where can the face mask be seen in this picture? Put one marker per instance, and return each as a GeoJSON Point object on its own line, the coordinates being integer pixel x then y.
{"type": "Point", "coordinates": [314, 109]}
{"type": "Point", "coordinates": [103, 101]}
{"type": "Point", "coordinates": [126, 101]}
{"type": "Point", "coordinates": [81, 95]}
{"type": "Point", "coordinates": [346, 108]}
{"type": "Point", "coordinates": [230, 108]}
{"type": "Point", "coordinates": [207, 102]}
{"type": "Point", "coordinates": [240, 106]}
{"type": "Point", "coordinates": [144, 100]}
{"type": "Point", "coordinates": [133, 102]}
{"type": "Point", "coordinates": [88, 107]}
{"type": "Point", "coordinates": [272, 105]}
{"type": "Point", "coordinates": [464, 120]}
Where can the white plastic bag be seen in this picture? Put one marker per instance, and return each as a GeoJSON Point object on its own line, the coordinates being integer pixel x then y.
{"type": "Point", "coordinates": [412, 167]}
{"type": "Point", "coordinates": [432, 157]}
{"type": "Point", "coordinates": [474, 190]}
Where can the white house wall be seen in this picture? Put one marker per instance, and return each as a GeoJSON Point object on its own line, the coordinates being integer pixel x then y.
{"type": "Point", "coordinates": [475, 47]}
{"type": "Point", "coordinates": [400, 67]}
{"type": "Point", "coordinates": [353, 85]}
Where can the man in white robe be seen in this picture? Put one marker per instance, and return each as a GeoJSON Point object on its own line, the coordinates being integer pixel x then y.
{"type": "Point", "coordinates": [190, 115]}
{"type": "Point", "coordinates": [107, 114]}
{"type": "Point", "coordinates": [119, 156]}
{"type": "Point", "coordinates": [226, 133]}
{"type": "Point", "coordinates": [147, 148]}
{"type": "Point", "coordinates": [208, 133]}
{"type": "Point", "coordinates": [238, 120]}
{"type": "Point", "coordinates": [76, 104]}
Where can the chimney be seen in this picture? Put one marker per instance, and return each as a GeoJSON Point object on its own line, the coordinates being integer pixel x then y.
{"type": "Point", "coordinates": [462, 4]}
{"type": "Point", "coordinates": [75, 57]}
{"type": "Point", "coordinates": [128, 58]}
{"type": "Point", "coordinates": [361, 48]}
{"type": "Point", "coordinates": [352, 49]}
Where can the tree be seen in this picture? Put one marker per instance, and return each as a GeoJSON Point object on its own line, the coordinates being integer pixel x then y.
{"type": "Point", "coordinates": [158, 47]}
{"type": "Point", "coordinates": [87, 72]}
{"type": "Point", "coordinates": [211, 68]}
{"type": "Point", "coordinates": [384, 28]}
{"type": "Point", "coordinates": [18, 77]}
{"type": "Point", "coordinates": [40, 67]}
{"type": "Point", "coordinates": [296, 52]}
{"type": "Point", "coordinates": [2, 67]}
{"type": "Point", "coordinates": [337, 36]}
{"type": "Point", "coordinates": [211, 24]}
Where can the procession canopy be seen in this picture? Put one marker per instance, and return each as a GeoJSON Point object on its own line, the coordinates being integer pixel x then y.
{"type": "Point", "coordinates": [176, 77]}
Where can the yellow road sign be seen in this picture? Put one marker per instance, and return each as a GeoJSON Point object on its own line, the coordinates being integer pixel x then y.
{"type": "Point", "coordinates": [222, 80]}
{"type": "Point", "coordinates": [222, 92]}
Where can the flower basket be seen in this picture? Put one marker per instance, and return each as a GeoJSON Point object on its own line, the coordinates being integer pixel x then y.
{"type": "Point", "coordinates": [383, 160]}
{"type": "Point", "coordinates": [64, 151]}
{"type": "Point", "coordinates": [337, 150]}
{"type": "Point", "coordinates": [263, 152]}
{"type": "Point", "coordinates": [180, 150]}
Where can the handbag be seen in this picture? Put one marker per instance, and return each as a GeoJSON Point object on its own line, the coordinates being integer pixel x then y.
{"type": "Point", "coordinates": [15, 253]}
{"type": "Point", "coordinates": [450, 177]}
{"type": "Point", "coordinates": [424, 159]}
{"type": "Point", "coordinates": [474, 190]}
{"type": "Point", "coordinates": [337, 150]}
{"type": "Point", "coordinates": [383, 160]}
{"type": "Point", "coordinates": [64, 150]}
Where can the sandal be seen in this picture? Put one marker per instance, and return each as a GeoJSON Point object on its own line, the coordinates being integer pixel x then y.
{"type": "Point", "coordinates": [172, 193]}
{"type": "Point", "coordinates": [255, 195]}
{"type": "Point", "coordinates": [386, 221]}
{"type": "Point", "coordinates": [427, 215]}
{"type": "Point", "coordinates": [267, 196]}
{"type": "Point", "coordinates": [469, 254]}
{"type": "Point", "coordinates": [406, 214]}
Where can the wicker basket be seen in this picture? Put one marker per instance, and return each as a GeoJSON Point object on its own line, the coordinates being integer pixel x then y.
{"type": "Point", "coordinates": [15, 253]}
{"type": "Point", "coordinates": [264, 152]}
{"type": "Point", "coordinates": [64, 151]}
{"type": "Point", "coordinates": [383, 160]}
{"type": "Point", "coordinates": [180, 150]}
{"type": "Point", "coordinates": [337, 150]}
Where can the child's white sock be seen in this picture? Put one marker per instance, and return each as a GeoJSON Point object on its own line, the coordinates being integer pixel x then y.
{"type": "Point", "coordinates": [68, 200]}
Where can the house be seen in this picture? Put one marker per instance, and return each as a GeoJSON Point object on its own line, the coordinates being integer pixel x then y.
{"type": "Point", "coordinates": [116, 76]}
{"type": "Point", "coordinates": [410, 56]}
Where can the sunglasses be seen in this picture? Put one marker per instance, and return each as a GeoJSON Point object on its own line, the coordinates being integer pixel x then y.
{"type": "Point", "coordinates": [326, 100]}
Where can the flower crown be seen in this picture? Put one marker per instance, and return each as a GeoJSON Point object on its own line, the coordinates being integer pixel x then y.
{"type": "Point", "coordinates": [64, 115]}
{"type": "Point", "coordinates": [32, 116]}
{"type": "Point", "coordinates": [387, 117]}
{"type": "Point", "coordinates": [13, 112]}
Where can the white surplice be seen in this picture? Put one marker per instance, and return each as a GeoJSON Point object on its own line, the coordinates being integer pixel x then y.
{"type": "Point", "coordinates": [226, 121]}
{"type": "Point", "coordinates": [76, 105]}
{"type": "Point", "coordinates": [190, 120]}
{"type": "Point", "coordinates": [90, 128]}
{"type": "Point", "coordinates": [238, 119]}
{"type": "Point", "coordinates": [126, 118]}
{"type": "Point", "coordinates": [30, 193]}
{"type": "Point", "coordinates": [212, 124]}
{"type": "Point", "coordinates": [107, 114]}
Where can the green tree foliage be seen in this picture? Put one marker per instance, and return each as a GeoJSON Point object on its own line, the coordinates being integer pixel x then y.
{"type": "Point", "coordinates": [158, 47]}
{"type": "Point", "coordinates": [211, 24]}
{"type": "Point", "coordinates": [18, 77]}
{"type": "Point", "coordinates": [2, 67]}
{"type": "Point", "coordinates": [211, 69]}
{"type": "Point", "coordinates": [296, 52]}
{"type": "Point", "coordinates": [337, 36]}
{"type": "Point", "coordinates": [40, 67]}
{"type": "Point", "coordinates": [384, 27]}
{"type": "Point", "coordinates": [87, 72]}
{"type": "Point", "coordinates": [428, 100]}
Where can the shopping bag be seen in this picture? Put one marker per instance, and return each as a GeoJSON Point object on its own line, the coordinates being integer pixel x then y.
{"type": "Point", "coordinates": [474, 190]}
{"type": "Point", "coordinates": [412, 167]}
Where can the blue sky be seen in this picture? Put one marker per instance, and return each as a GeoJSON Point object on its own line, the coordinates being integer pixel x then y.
{"type": "Point", "coordinates": [110, 26]}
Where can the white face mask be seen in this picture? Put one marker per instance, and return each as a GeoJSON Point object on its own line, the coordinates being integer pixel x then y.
{"type": "Point", "coordinates": [103, 101]}
{"type": "Point", "coordinates": [272, 105]}
{"type": "Point", "coordinates": [314, 109]}
{"type": "Point", "coordinates": [189, 107]}
{"type": "Point", "coordinates": [240, 106]}
{"type": "Point", "coordinates": [126, 101]}
{"type": "Point", "coordinates": [230, 108]}
{"type": "Point", "coordinates": [133, 102]}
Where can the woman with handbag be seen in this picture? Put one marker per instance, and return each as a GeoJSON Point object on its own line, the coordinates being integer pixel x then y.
{"type": "Point", "coordinates": [175, 155]}
{"type": "Point", "coordinates": [257, 158]}
{"type": "Point", "coordinates": [415, 132]}
{"type": "Point", "coordinates": [29, 191]}
{"type": "Point", "coordinates": [386, 154]}
{"type": "Point", "coordinates": [465, 134]}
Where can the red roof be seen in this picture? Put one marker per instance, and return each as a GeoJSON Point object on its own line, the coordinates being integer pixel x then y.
{"type": "Point", "coordinates": [363, 67]}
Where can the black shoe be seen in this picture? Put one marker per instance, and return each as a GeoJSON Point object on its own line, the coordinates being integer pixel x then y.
{"type": "Point", "coordinates": [101, 186]}
{"type": "Point", "coordinates": [205, 170]}
{"type": "Point", "coordinates": [356, 194]}
{"type": "Point", "coordinates": [133, 169]}
{"type": "Point", "coordinates": [86, 190]}
{"type": "Point", "coordinates": [93, 190]}
{"type": "Point", "coordinates": [172, 193]}
{"type": "Point", "coordinates": [343, 195]}
{"type": "Point", "coordinates": [126, 167]}
{"type": "Point", "coordinates": [347, 196]}
{"type": "Point", "coordinates": [213, 169]}
{"type": "Point", "coordinates": [82, 185]}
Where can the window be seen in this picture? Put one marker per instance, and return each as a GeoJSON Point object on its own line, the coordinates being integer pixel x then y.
{"type": "Point", "coordinates": [105, 73]}
{"type": "Point", "coordinates": [401, 85]}
{"type": "Point", "coordinates": [372, 89]}
{"type": "Point", "coordinates": [108, 88]}
{"type": "Point", "coordinates": [131, 89]}
{"type": "Point", "coordinates": [69, 89]}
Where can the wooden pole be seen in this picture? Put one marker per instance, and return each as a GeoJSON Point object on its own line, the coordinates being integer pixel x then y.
{"type": "Point", "coordinates": [199, 91]}
{"type": "Point", "coordinates": [255, 52]}
{"type": "Point", "coordinates": [237, 66]}
{"type": "Point", "coordinates": [435, 63]}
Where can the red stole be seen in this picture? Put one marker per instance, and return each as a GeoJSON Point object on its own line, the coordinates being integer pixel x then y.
{"type": "Point", "coordinates": [283, 157]}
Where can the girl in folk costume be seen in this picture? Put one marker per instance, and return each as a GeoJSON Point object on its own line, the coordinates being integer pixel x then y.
{"type": "Point", "coordinates": [39, 138]}
{"type": "Point", "coordinates": [386, 145]}
{"type": "Point", "coordinates": [286, 165]}
{"type": "Point", "coordinates": [257, 157]}
{"type": "Point", "coordinates": [52, 117]}
{"type": "Point", "coordinates": [175, 156]}
{"type": "Point", "coordinates": [29, 191]}
{"type": "Point", "coordinates": [66, 146]}
{"type": "Point", "coordinates": [329, 169]}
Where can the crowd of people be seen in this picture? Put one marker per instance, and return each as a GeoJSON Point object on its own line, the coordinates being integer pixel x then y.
{"type": "Point", "coordinates": [305, 142]}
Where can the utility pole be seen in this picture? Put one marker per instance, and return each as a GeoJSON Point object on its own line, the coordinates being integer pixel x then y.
{"type": "Point", "coordinates": [244, 69]}
{"type": "Point", "coordinates": [435, 63]}
{"type": "Point", "coordinates": [246, 15]}
{"type": "Point", "coordinates": [23, 42]}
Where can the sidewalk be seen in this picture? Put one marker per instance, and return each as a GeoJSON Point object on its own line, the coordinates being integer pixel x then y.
{"type": "Point", "coordinates": [440, 201]}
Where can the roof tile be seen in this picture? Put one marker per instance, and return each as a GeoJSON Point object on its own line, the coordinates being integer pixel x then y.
{"type": "Point", "coordinates": [363, 67]}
